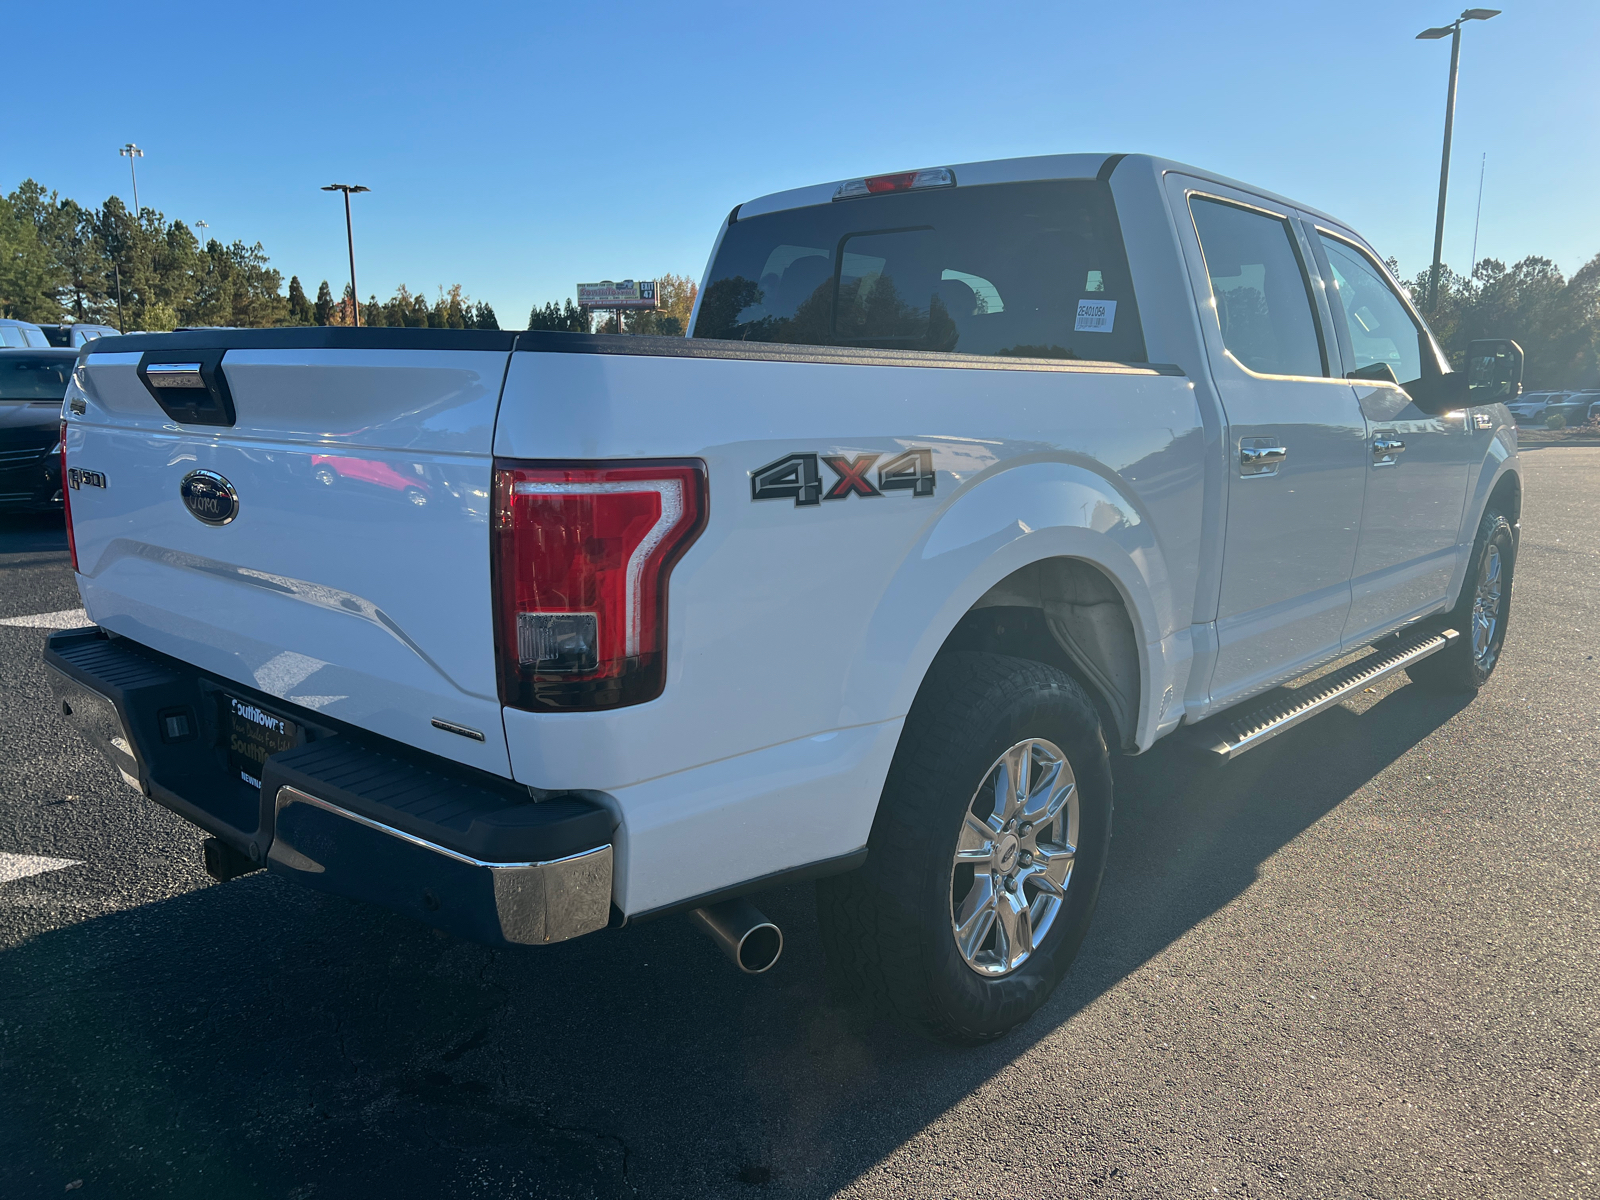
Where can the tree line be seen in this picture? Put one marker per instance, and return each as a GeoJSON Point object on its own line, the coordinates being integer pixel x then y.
{"type": "Point", "coordinates": [61, 261]}
{"type": "Point", "coordinates": [1555, 320]}
{"type": "Point", "coordinates": [675, 294]}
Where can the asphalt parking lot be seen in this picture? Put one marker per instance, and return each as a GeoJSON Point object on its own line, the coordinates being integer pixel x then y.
{"type": "Point", "coordinates": [1360, 961]}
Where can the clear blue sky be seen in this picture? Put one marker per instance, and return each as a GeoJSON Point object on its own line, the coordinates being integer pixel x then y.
{"type": "Point", "coordinates": [519, 148]}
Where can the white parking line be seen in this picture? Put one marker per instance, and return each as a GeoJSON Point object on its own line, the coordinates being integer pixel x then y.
{"type": "Point", "coordinates": [19, 866]}
{"type": "Point", "coordinates": [68, 618]}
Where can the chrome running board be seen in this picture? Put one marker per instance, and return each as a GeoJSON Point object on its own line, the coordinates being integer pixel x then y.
{"type": "Point", "coordinates": [1231, 736]}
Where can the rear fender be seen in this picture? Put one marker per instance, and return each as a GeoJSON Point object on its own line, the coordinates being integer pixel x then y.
{"type": "Point", "coordinates": [1018, 516]}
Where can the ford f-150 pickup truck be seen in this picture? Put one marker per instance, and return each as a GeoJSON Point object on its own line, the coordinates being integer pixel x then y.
{"type": "Point", "coordinates": [964, 479]}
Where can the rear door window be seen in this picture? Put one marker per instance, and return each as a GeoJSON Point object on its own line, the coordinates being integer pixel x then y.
{"type": "Point", "coordinates": [1262, 292]}
{"type": "Point", "coordinates": [1020, 269]}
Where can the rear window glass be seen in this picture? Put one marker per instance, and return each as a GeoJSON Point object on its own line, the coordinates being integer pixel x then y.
{"type": "Point", "coordinates": [1019, 269]}
{"type": "Point", "coordinates": [31, 377]}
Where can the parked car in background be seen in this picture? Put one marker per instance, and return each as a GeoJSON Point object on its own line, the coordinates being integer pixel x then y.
{"type": "Point", "coordinates": [21, 334]}
{"type": "Point", "coordinates": [32, 383]}
{"type": "Point", "coordinates": [74, 336]}
{"type": "Point", "coordinates": [1531, 407]}
{"type": "Point", "coordinates": [1576, 407]}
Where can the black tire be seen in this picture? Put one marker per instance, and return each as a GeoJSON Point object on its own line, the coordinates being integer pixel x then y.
{"type": "Point", "coordinates": [1462, 668]}
{"type": "Point", "coordinates": [887, 928]}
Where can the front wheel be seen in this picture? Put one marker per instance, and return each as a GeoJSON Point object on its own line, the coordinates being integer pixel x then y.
{"type": "Point", "coordinates": [1480, 614]}
{"type": "Point", "coordinates": [985, 859]}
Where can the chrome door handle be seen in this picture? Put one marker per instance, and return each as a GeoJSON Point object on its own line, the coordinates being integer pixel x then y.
{"type": "Point", "coordinates": [1262, 456]}
{"type": "Point", "coordinates": [1386, 447]}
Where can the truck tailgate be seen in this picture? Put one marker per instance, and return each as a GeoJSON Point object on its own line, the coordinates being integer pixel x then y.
{"type": "Point", "coordinates": [354, 579]}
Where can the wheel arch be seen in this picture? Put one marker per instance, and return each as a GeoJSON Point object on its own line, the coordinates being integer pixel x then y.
{"type": "Point", "coordinates": [1069, 560]}
{"type": "Point", "coordinates": [1499, 484]}
{"type": "Point", "coordinates": [1506, 495]}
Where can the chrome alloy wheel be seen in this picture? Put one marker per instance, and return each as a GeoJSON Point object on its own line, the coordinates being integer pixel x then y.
{"type": "Point", "coordinates": [1014, 857]}
{"type": "Point", "coordinates": [1486, 609]}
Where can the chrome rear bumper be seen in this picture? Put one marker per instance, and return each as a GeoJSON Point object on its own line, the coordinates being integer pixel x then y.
{"type": "Point", "coordinates": [341, 812]}
{"type": "Point", "coordinates": [524, 903]}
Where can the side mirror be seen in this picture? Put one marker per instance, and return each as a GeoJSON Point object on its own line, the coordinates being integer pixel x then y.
{"type": "Point", "coordinates": [1440, 393]}
{"type": "Point", "coordinates": [1378, 372]}
{"type": "Point", "coordinates": [1494, 370]}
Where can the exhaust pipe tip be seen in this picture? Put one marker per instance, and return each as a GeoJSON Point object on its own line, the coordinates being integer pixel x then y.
{"type": "Point", "coordinates": [739, 929]}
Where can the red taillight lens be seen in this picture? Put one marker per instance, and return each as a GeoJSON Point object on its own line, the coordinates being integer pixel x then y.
{"type": "Point", "coordinates": [581, 557]}
{"type": "Point", "coordinates": [66, 500]}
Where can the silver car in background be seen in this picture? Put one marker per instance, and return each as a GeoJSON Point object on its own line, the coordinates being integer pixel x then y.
{"type": "Point", "coordinates": [22, 335]}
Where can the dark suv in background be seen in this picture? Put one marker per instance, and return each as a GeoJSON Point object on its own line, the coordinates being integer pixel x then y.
{"type": "Point", "coordinates": [32, 384]}
{"type": "Point", "coordinates": [73, 336]}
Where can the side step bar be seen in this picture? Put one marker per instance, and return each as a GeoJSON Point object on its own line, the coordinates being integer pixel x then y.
{"type": "Point", "coordinates": [1232, 736]}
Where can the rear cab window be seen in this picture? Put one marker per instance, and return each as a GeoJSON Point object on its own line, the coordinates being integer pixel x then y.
{"type": "Point", "coordinates": [1031, 270]}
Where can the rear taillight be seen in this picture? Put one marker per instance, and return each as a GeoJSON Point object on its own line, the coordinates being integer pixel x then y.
{"type": "Point", "coordinates": [66, 500]}
{"type": "Point", "coordinates": [582, 552]}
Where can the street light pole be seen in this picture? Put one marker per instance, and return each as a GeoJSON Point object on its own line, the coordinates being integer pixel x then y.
{"type": "Point", "coordinates": [131, 152]}
{"type": "Point", "coordinates": [350, 237]}
{"type": "Point", "coordinates": [202, 226]}
{"type": "Point", "coordinates": [1453, 32]}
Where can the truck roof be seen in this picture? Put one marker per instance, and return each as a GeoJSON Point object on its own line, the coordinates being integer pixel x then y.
{"type": "Point", "coordinates": [1018, 170]}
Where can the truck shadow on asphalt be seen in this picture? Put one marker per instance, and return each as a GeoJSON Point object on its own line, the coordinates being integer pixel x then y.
{"type": "Point", "coordinates": [253, 1038]}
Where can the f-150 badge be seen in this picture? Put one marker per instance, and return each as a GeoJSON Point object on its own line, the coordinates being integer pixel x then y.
{"type": "Point", "coordinates": [798, 477]}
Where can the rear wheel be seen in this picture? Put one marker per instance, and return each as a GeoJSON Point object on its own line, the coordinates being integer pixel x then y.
{"type": "Point", "coordinates": [1479, 615]}
{"type": "Point", "coordinates": [985, 859]}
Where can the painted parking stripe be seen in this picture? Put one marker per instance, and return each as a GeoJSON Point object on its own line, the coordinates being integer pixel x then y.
{"type": "Point", "coordinates": [67, 618]}
{"type": "Point", "coordinates": [19, 866]}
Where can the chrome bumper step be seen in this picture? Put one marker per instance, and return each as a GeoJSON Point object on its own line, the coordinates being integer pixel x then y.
{"type": "Point", "coordinates": [1226, 737]}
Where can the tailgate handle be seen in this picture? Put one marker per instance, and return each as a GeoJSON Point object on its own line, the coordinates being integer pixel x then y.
{"type": "Point", "coordinates": [189, 385]}
{"type": "Point", "coordinates": [174, 375]}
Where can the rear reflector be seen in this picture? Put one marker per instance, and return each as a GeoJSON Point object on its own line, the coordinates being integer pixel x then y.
{"type": "Point", "coordinates": [582, 552]}
{"type": "Point", "coordinates": [905, 181]}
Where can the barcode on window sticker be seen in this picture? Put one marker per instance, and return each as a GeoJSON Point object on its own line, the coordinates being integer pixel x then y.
{"type": "Point", "coordinates": [1096, 316]}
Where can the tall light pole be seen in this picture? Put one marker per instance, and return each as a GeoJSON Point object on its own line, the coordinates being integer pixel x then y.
{"type": "Point", "coordinates": [131, 152]}
{"type": "Point", "coordinates": [350, 237]}
{"type": "Point", "coordinates": [202, 226]}
{"type": "Point", "coordinates": [1453, 32]}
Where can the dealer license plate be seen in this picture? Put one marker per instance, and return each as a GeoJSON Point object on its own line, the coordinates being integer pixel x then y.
{"type": "Point", "coordinates": [253, 733]}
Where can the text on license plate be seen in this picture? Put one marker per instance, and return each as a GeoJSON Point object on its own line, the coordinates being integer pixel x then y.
{"type": "Point", "coordinates": [253, 734]}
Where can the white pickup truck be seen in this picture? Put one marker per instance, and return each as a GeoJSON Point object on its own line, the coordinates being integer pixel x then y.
{"type": "Point", "coordinates": [964, 479]}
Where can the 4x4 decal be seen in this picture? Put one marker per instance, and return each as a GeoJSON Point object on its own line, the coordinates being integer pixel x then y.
{"type": "Point", "coordinates": [798, 477]}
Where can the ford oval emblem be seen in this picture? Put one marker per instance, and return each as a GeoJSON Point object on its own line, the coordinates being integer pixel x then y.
{"type": "Point", "coordinates": [209, 497]}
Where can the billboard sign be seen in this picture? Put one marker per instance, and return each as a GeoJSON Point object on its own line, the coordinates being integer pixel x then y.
{"type": "Point", "coordinates": [630, 293]}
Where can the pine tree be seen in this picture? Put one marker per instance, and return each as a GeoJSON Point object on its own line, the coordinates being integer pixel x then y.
{"type": "Point", "coordinates": [483, 317]}
{"type": "Point", "coordinates": [300, 311]}
{"type": "Point", "coordinates": [322, 311]}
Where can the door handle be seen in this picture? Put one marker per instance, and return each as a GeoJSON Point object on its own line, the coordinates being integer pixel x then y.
{"type": "Point", "coordinates": [1262, 456]}
{"type": "Point", "coordinates": [1386, 447]}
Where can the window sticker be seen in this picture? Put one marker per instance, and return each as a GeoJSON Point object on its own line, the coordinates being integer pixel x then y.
{"type": "Point", "coordinates": [1096, 316]}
